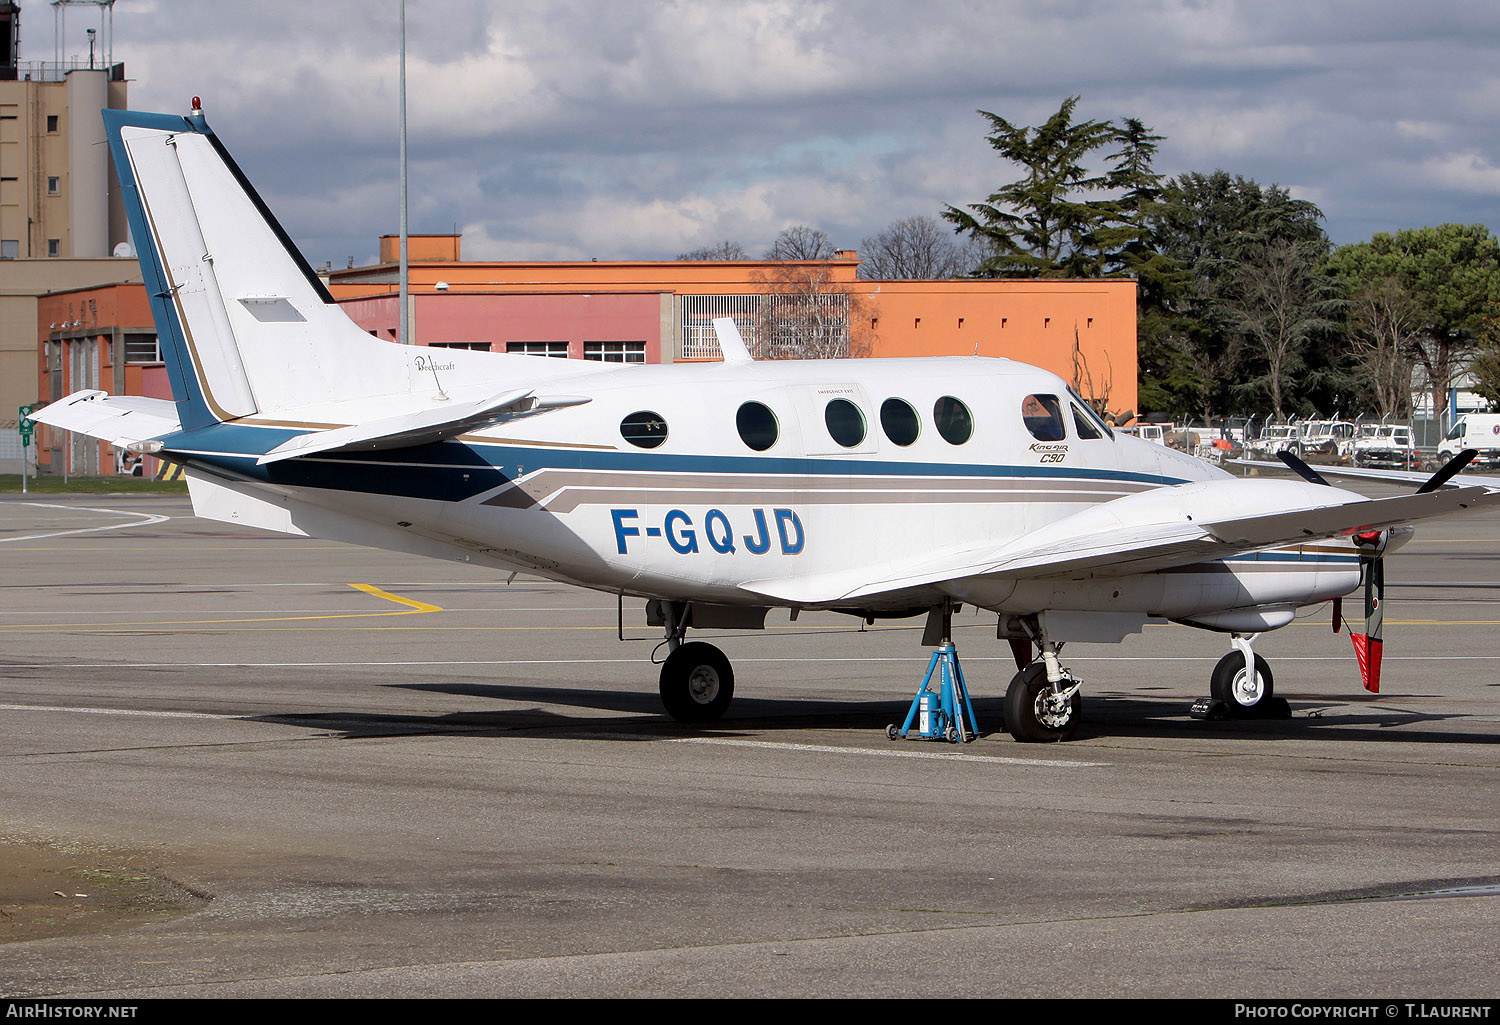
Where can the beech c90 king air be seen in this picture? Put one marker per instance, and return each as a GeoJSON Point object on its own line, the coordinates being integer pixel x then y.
{"type": "Point", "coordinates": [876, 487]}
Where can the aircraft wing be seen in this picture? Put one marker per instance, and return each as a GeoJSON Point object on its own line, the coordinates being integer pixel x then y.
{"type": "Point", "coordinates": [1100, 542]}
{"type": "Point", "coordinates": [118, 419]}
{"type": "Point", "coordinates": [420, 428]}
{"type": "Point", "coordinates": [1370, 473]}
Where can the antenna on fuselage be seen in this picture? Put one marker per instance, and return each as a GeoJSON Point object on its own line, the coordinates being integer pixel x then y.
{"type": "Point", "coordinates": [731, 345]}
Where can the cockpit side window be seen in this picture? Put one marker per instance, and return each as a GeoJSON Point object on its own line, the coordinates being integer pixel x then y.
{"type": "Point", "coordinates": [1084, 426]}
{"type": "Point", "coordinates": [1092, 415]}
{"type": "Point", "coordinates": [1043, 417]}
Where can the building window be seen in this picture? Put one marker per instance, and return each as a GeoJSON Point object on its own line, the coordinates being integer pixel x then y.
{"type": "Point", "coordinates": [142, 348]}
{"type": "Point", "coordinates": [54, 186]}
{"type": "Point", "coordinates": [54, 247]}
{"type": "Point", "coordinates": [558, 349]}
{"type": "Point", "coordinates": [51, 123]}
{"type": "Point", "coordinates": [471, 346]}
{"type": "Point", "coordinates": [615, 352]}
{"type": "Point", "coordinates": [699, 341]}
{"type": "Point", "coordinates": [10, 249]}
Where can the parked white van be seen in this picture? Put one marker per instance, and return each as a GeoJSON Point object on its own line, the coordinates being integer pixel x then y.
{"type": "Point", "coordinates": [1480, 431]}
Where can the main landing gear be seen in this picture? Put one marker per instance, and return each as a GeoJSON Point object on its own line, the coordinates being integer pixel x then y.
{"type": "Point", "coordinates": [1235, 692]}
{"type": "Point", "coordinates": [697, 681]}
{"type": "Point", "coordinates": [1042, 702]}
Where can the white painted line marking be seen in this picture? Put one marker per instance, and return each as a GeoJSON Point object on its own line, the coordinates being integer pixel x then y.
{"type": "Point", "coordinates": [145, 520]}
{"type": "Point", "coordinates": [915, 660]}
{"type": "Point", "coordinates": [885, 752]}
{"type": "Point", "coordinates": [713, 741]}
{"type": "Point", "coordinates": [118, 711]}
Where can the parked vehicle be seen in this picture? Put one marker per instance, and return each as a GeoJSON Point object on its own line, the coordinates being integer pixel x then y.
{"type": "Point", "coordinates": [1325, 441]}
{"type": "Point", "coordinates": [1479, 431]}
{"type": "Point", "coordinates": [1386, 447]}
{"type": "Point", "coordinates": [1273, 438]}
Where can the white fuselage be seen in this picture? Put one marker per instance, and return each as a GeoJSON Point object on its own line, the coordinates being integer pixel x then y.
{"type": "Point", "coordinates": [849, 479]}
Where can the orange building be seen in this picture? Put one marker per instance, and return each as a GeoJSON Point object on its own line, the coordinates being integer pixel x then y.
{"type": "Point", "coordinates": [624, 311]}
{"type": "Point", "coordinates": [660, 311]}
{"type": "Point", "coordinates": [101, 337]}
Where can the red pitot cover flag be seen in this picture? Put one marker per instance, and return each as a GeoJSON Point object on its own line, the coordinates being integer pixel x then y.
{"type": "Point", "coordinates": [1368, 650]}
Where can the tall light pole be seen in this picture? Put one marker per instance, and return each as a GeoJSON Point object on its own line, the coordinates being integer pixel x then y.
{"type": "Point", "coordinates": [402, 334]}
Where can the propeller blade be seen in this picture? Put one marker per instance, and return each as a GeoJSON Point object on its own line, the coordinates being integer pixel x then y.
{"type": "Point", "coordinates": [1369, 645]}
{"type": "Point", "coordinates": [1302, 470]}
{"type": "Point", "coordinates": [1450, 468]}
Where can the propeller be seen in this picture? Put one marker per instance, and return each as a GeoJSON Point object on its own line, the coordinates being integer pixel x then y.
{"type": "Point", "coordinates": [1369, 643]}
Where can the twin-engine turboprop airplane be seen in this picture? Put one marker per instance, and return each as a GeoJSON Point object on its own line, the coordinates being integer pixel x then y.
{"type": "Point", "coordinates": [872, 487]}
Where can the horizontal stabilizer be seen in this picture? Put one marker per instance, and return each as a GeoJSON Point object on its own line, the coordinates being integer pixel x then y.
{"type": "Point", "coordinates": [118, 419]}
{"type": "Point", "coordinates": [423, 427]}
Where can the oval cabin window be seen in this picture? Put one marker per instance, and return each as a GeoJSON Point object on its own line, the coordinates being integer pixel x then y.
{"type": "Point", "coordinates": [899, 421]}
{"type": "Point", "coordinates": [846, 424]}
{"type": "Point", "coordinates": [757, 425]}
{"type": "Point", "coordinates": [953, 419]}
{"type": "Point", "coordinates": [644, 429]}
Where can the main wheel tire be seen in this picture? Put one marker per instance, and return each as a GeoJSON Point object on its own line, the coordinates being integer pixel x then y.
{"type": "Point", "coordinates": [1233, 686]}
{"type": "Point", "coordinates": [697, 683]}
{"type": "Point", "coordinates": [1026, 715]}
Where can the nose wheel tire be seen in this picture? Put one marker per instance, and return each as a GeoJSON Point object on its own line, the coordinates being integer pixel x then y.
{"type": "Point", "coordinates": [1236, 688]}
{"type": "Point", "coordinates": [1033, 715]}
{"type": "Point", "coordinates": [697, 683]}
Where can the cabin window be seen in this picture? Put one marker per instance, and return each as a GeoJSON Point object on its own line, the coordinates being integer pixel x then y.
{"type": "Point", "coordinates": [757, 426]}
{"type": "Point", "coordinates": [953, 420]}
{"type": "Point", "coordinates": [899, 421]}
{"type": "Point", "coordinates": [645, 429]}
{"type": "Point", "coordinates": [846, 424]}
{"type": "Point", "coordinates": [1043, 417]}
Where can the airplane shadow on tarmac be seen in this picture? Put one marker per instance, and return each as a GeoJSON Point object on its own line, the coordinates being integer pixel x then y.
{"type": "Point", "coordinates": [641, 718]}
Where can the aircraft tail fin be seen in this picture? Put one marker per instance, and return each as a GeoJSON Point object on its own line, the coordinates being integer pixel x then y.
{"type": "Point", "coordinates": [244, 323]}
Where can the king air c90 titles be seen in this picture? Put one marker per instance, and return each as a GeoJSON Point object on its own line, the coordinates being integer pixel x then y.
{"type": "Point", "coordinates": [877, 488]}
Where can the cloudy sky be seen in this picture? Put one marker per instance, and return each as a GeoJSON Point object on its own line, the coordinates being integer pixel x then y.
{"type": "Point", "coordinates": [617, 129]}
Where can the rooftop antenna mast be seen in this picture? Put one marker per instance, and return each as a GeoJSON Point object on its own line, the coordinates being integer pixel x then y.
{"type": "Point", "coordinates": [106, 10]}
{"type": "Point", "coordinates": [401, 330]}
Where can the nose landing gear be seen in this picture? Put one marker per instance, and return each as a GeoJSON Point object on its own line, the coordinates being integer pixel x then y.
{"type": "Point", "coordinates": [1237, 692]}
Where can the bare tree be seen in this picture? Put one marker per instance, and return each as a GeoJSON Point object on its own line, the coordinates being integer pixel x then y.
{"type": "Point", "coordinates": [917, 248]}
{"type": "Point", "coordinates": [1388, 322]}
{"type": "Point", "coordinates": [726, 250]}
{"type": "Point", "coordinates": [1095, 391]}
{"type": "Point", "coordinates": [806, 314]}
{"type": "Point", "coordinates": [1277, 301]}
{"type": "Point", "coordinates": [800, 242]}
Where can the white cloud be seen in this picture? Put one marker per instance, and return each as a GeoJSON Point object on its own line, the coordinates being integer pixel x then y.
{"type": "Point", "coordinates": [610, 129]}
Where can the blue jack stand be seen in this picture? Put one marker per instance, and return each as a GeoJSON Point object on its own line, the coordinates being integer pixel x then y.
{"type": "Point", "coordinates": [940, 714]}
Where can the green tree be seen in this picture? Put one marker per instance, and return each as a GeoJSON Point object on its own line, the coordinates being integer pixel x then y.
{"type": "Point", "coordinates": [1041, 225]}
{"type": "Point", "coordinates": [1451, 273]}
{"type": "Point", "coordinates": [1210, 235]}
